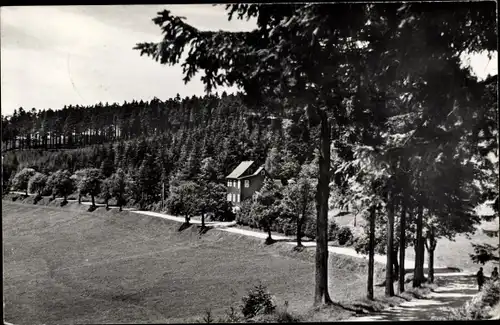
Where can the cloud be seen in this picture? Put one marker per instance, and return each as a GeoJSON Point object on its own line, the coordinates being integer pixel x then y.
{"type": "Point", "coordinates": [56, 56]}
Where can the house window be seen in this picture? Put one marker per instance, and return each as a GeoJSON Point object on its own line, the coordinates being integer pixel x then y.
{"type": "Point", "coordinates": [238, 184]}
{"type": "Point", "coordinates": [233, 197]}
{"type": "Point", "coordinates": [247, 183]}
{"type": "Point", "coordinates": [229, 197]}
{"type": "Point", "coordinates": [228, 183]}
{"type": "Point", "coordinates": [237, 198]}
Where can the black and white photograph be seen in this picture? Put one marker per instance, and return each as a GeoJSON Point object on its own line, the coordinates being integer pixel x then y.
{"type": "Point", "coordinates": [280, 162]}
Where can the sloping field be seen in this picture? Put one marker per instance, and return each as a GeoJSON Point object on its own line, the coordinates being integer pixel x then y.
{"type": "Point", "coordinates": [62, 265]}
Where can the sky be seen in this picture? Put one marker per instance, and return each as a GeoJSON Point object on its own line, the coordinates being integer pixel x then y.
{"type": "Point", "coordinates": [53, 56]}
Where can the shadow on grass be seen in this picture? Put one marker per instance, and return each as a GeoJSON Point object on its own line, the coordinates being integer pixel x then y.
{"type": "Point", "coordinates": [184, 226]}
{"type": "Point", "coordinates": [92, 208]}
{"type": "Point", "coordinates": [37, 199]}
{"type": "Point", "coordinates": [63, 203]}
{"type": "Point", "coordinates": [203, 230]}
{"type": "Point", "coordinates": [271, 241]}
{"type": "Point", "coordinates": [299, 249]}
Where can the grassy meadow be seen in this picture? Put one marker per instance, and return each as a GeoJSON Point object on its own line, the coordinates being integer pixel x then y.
{"type": "Point", "coordinates": [66, 265]}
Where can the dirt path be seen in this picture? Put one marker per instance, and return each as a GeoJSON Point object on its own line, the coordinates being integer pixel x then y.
{"type": "Point", "coordinates": [457, 289]}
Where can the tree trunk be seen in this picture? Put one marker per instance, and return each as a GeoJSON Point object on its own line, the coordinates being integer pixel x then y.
{"type": "Point", "coordinates": [431, 266]}
{"type": "Point", "coordinates": [79, 198]}
{"type": "Point", "coordinates": [402, 246]}
{"type": "Point", "coordinates": [299, 232]}
{"type": "Point", "coordinates": [395, 274]}
{"type": "Point", "coordinates": [269, 237]}
{"type": "Point", "coordinates": [419, 258]}
{"type": "Point", "coordinates": [187, 219]}
{"type": "Point", "coordinates": [120, 203]}
{"type": "Point", "coordinates": [430, 249]}
{"type": "Point", "coordinates": [389, 284]}
{"type": "Point", "coordinates": [202, 220]}
{"type": "Point", "coordinates": [107, 203]}
{"type": "Point", "coordinates": [323, 191]}
{"type": "Point", "coordinates": [93, 200]}
{"type": "Point", "coordinates": [371, 254]}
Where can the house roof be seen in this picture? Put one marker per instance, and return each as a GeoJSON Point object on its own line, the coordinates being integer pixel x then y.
{"type": "Point", "coordinates": [241, 169]}
{"type": "Point", "coordinates": [254, 174]}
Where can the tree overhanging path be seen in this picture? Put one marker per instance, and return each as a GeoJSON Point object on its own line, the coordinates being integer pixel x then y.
{"type": "Point", "coordinates": [229, 227]}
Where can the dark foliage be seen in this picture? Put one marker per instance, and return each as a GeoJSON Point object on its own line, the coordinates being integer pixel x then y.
{"type": "Point", "coordinates": [257, 301]}
{"type": "Point", "coordinates": [345, 236]}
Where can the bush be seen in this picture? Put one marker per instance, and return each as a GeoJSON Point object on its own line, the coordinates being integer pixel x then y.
{"type": "Point", "coordinates": [244, 215]}
{"type": "Point", "coordinates": [309, 228]}
{"type": "Point", "coordinates": [257, 301]}
{"type": "Point", "coordinates": [284, 225]}
{"type": "Point", "coordinates": [333, 230]}
{"type": "Point", "coordinates": [36, 183]}
{"type": "Point", "coordinates": [491, 292]}
{"type": "Point", "coordinates": [345, 236]}
{"type": "Point", "coordinates": [479, 307]}
{"type": "Point", "coordinates": [156, 207]}
{"type": "Point", "coordinates": [21, 179]}
{"type": "Point", "coordinates": [361, 244]}
{"type": "Point", "coordinates": [289, 228]}
{"type": "Point", "coordinates": [224, 212]}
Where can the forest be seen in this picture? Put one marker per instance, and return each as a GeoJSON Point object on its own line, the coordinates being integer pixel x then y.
{"type": "Point", "coordinates": [350, 114]}
{"type": "Point", "coordinates": [192, 131]}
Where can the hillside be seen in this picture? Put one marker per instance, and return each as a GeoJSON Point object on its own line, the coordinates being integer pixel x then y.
{"type": "Point", "coordinates": [105, 267]}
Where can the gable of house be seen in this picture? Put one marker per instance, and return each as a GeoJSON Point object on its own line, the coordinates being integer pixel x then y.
{"type": "Point", "coordinates": [241, 169]}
